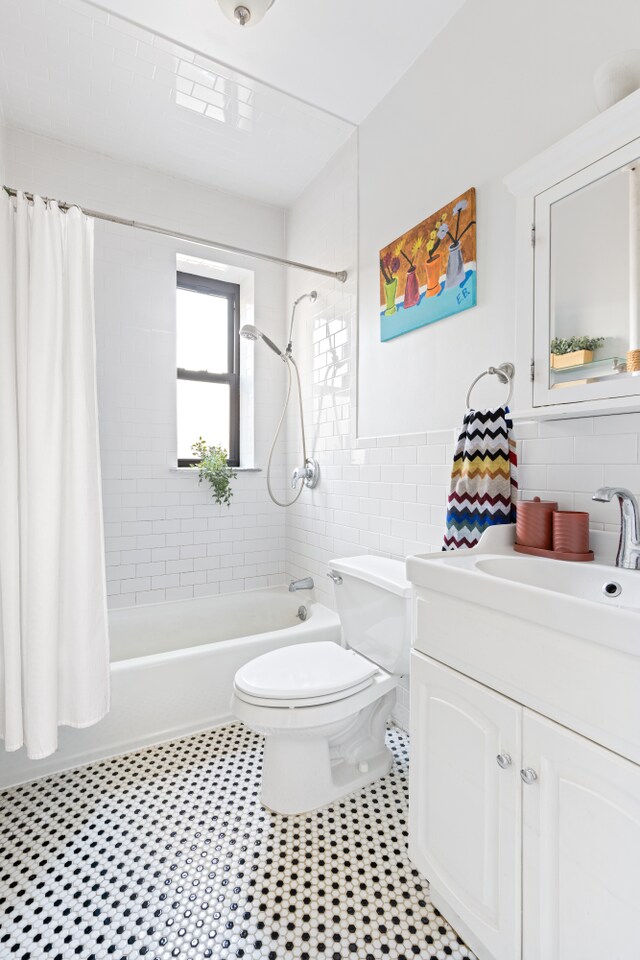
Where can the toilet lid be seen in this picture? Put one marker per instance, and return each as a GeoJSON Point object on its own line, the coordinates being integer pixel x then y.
{"type": "Point", "coordinates": [306, 670]}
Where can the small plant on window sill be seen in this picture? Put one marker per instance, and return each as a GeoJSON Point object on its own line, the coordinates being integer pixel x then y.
{"type": "Point", "coordinates": [214, 468]}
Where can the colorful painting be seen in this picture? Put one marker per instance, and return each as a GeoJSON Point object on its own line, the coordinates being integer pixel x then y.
{"type": "Point", "coordinates": [430, 272]}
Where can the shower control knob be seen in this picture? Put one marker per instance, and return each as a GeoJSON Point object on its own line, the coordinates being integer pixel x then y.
{"type": "Point", "coordinates": [529, 776]}
{"type": "Point", "coordinates": [298, 474]}
{"type": "Point", "coordinates": [312, 477]}
{"type": "Point", "coordinates": [504, 760]}
{"type": "Point", "coordinates": [309, 474]}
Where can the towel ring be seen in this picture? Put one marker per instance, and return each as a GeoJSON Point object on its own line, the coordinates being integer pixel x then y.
{"type": "Point", "coordinates": [504, 372]}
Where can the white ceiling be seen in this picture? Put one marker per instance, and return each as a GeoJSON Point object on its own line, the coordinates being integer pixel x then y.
{"type": "Point", "coordinates": [77, 74]}
{"type": "Point", "coordinates": [341, 55]}
{"type": "Point", "coordinates": [77, 71]}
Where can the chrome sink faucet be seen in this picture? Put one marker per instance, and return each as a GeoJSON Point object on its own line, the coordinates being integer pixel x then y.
{"type": "Point", "coordinates": [305, 584]}
{"type": "Point", "coordinates": [628, 555]}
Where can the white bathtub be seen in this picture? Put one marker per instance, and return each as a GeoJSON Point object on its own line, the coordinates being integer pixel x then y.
{"type": "Point", "coordinates": [172, 670]}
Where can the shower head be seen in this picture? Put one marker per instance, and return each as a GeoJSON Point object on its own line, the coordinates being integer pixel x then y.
{"type": "Point", "coordinates": [249, 332]}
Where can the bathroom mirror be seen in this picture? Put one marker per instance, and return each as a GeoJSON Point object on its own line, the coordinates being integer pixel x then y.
{"type": "Point", "coordinates": [589, 282]}
{"type": "Point", "coordinates": [579, 268]}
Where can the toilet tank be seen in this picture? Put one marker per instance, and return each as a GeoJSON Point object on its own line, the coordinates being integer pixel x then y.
{"type": "Point", "coordinates": [374, 603]}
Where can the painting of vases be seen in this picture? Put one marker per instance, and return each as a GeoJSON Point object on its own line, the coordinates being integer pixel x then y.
{"type": "Point", "coordinates": [430, 272]}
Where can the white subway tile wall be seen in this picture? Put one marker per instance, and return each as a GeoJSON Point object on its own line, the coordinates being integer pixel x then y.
{"type": "Point", "coordinates": [165, 539]}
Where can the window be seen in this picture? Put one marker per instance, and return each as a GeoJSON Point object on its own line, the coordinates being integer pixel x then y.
{"type": "Point", "coordinates": [208, 348]}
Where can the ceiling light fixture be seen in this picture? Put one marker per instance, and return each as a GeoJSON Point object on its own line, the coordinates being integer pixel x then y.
{"type": "Point", "coordinates": [246, 13]}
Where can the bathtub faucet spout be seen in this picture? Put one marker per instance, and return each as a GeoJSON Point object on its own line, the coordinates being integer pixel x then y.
{"type": "Point", "coordinates": [305, 584]}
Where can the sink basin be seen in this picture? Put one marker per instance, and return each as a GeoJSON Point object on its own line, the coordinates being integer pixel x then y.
{"type": "Point", "coordinates": [585, 581]}
{"type": "Point", "coordinates": [593, 601]}
{"type": "Point", "coordinates": [561, 638]}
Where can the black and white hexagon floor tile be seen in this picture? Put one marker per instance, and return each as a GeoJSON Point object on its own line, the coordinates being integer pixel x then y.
{"type": "Point", "coordinates": [167, 853]}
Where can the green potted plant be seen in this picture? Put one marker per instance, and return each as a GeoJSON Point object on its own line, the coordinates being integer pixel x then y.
{"type": "Point", "coordinates": [213, 468]}
{"type": "Point", "coordinates": [574, 351]}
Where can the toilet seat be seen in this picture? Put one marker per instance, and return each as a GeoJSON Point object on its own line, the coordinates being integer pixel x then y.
{"type": "Point", "coordinates": [303, 717]}
{"type": "Point", "coordinates": [293, 703]}
{"type": "Point", "coordinates": [305, 674]}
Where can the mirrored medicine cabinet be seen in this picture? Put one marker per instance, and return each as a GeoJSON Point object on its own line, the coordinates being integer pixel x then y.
{"type": "Point", "coordinates": [578, 270]}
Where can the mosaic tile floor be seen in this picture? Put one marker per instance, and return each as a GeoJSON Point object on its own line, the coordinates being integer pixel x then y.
{"type": "Point", "coordinates": [167, 853]}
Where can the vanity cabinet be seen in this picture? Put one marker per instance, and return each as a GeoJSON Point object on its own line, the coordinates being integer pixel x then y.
{"type": "Point", "coordinates": [528, 833]}
{"type": "Point", "coordinates": [580, 848]}
{"type": "Point", "coordinates": [465, 810]}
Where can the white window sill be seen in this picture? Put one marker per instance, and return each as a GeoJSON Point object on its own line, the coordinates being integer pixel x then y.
{"type": "Point", "coordinates": [194, 470]}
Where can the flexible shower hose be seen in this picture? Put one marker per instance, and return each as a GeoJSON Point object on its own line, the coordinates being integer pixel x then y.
{"type": "Point", "coordinates": [289, 362]}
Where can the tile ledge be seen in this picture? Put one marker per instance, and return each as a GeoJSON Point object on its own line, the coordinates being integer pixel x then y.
{"type": "Point", "coordinates": [185, 470]}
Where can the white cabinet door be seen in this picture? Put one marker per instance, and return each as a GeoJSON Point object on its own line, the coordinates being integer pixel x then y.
{"type": "Point", "coordinates": [464, 811]}
{"type": "Point", "coordinates": [581, 848]}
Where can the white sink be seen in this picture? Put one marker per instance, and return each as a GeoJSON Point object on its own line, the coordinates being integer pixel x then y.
{"type": "Point", "coordinates": [594, 601]}
{"type": "Point", "coordinates": [583, 581]}
{"type": "Point", "coordinates": [561, 638]}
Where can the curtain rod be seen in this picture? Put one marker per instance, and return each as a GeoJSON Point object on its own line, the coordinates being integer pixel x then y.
{"type": "Point", "coordinates": [340, 275]}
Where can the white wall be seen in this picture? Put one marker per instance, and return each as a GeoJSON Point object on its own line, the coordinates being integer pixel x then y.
{"type": "Point", "coordinates": [500, 83]}
{"type": "Point", "coordinates": [474, 106]}
{"type": "Point", "coordinates": [164, 537]}
{"type": "Point", "coordinates": [3, 148]}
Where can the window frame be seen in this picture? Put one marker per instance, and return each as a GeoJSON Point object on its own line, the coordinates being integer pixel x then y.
{"type": "Point", "coordinates": [231, 293]}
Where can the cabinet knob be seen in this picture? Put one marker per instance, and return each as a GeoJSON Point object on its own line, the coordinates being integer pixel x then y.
{"type": "Point", "coordinates": [503, 760]}
{"type": "Point", "coordinates": [529, 776]}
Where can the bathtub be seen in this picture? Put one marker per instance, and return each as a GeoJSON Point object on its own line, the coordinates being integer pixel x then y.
{"type": "Point", "coordinates": [172, 670]}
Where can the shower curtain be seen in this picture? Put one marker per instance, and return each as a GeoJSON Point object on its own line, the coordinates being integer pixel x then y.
{"type": "Point", "coordinates": [53, 620]}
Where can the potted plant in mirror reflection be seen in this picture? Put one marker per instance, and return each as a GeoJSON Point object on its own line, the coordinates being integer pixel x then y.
{"type": "Point", "coordinates": [573, 351]}
{"type": "Point", "coordinates": [389, 265]}
{"type": "Point", "coordinates": [214, 468]}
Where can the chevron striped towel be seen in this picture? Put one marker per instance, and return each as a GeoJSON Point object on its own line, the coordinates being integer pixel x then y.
{"type": "Point", "coordinates": [484, 480]}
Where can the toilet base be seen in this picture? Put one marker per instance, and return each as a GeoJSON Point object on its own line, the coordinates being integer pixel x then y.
{"type": "Point", "coordinates": [306, 769]}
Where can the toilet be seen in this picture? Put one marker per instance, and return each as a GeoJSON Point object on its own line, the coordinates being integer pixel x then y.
{"type": "Point", "coordinates": [323, 707]}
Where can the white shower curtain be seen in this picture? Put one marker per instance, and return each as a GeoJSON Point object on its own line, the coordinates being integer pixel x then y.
{"type": "Point", "coordinates": [53, 620]}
